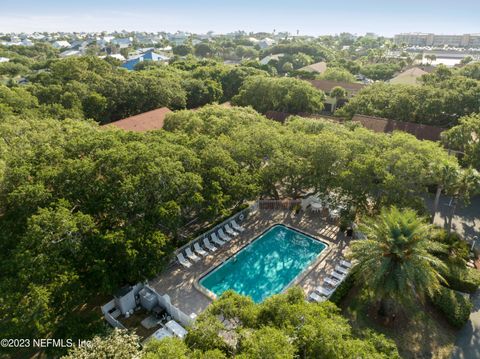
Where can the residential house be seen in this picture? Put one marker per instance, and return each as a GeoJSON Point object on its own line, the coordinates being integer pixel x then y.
{"type": "Point", "coordinates": [165, 49]}
{"type": "Point", "coordinates": [4, 59]}
{"type": "Point", "coordinates": [319, 67]}
{"type": "Point", "coordinates": [266, 42]}
{"type": "Point", "coordinates": [269, 58]}
{"type": "Point", "coordinates": [148, 56]}
{"type": "Point", "coordinates": [37, 36]}
{"type": "Point", "coordinates": [70, 53]}
{"type": "Point", "coordinates": [179, 38]}
{"type": "Point", "coordinates": [25, 42]}
{"type": "Point", "coordinates": [410, 76]}
{"type": "Point", "coordinates": [61, 44]}
{"type": "Point", "coordinates": [115, 56]}
{"type": "Point", "coordinates": [123, 42]}
{"type": "Point", "coordinates": [326, 86]}
{"type": "Point", "coordinates": [145, 38]}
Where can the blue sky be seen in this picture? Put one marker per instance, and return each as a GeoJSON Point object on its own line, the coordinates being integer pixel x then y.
{"type": "Point", "coordinates": [314, 17]}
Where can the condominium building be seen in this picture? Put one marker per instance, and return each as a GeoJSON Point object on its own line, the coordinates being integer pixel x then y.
{"type": "Point", "coordinates": [429, 39]}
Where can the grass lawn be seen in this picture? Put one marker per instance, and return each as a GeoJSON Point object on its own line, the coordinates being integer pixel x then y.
{"type": "Point", "coordinates": [423, 333]}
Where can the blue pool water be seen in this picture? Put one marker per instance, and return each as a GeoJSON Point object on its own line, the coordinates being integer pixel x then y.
{"type": "Point", "coordinates": [265, 266]}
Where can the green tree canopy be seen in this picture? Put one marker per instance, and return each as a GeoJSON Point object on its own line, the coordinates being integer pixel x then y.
{"type": "Point", "coordinates": [465, 137]}
{"type": "Point", "coordinates": [337, 74]}
{"type": "Point", "coordinates": [182, 50]}
{"type": "Point", "coordinates": [395, 261]}
{"type": "Point", "coordinates": [279, 94]}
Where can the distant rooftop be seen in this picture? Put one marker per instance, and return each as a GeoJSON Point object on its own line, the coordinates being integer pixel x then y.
{"type": "Point", "coordinates": [147, 121]}
{"type": "Point", "coordinates": [327, 85]}
{"type": "Point", "coordinates": [420, 131]}
{"type": "Point", "coordinates": [409, 76]}
{"type": "Point", "coordinates": [319, 67]}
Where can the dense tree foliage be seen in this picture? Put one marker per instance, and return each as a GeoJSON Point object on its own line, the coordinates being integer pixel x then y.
{"type": "Point", "coordinates": [317, 51]}
{"type": "Point", "coordinates": [119, 344]}
{"type": "Point", "coordinates": [337, 74]}
{"type": "Point", "coordinates": [279, 94]}
{"type": "Point", "coordinates": [444, 96]}
{"type": "Point", "coordinates": [381, 71]}
{"type": "Point", "coordinates": [84, 209]}
{"type": "Point", "coordinates": [109, 203]}
{"type": "Point", "coordinates": [465, 137]}
{"type": "Point", "coordinates": [89, 87]}
{"type": "Point", "coordinates": [182, 50]}
{"type": "Point", "coordinates": [284, 326]}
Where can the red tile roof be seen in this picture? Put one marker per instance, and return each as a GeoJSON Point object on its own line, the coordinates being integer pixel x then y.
{"type": "Point", "coordinates": [147, 121]}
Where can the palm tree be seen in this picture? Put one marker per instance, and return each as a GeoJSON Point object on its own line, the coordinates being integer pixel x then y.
{"type": "Point", "coordinates": [467, 184]}
{"type": "Point", "coordinates": [395, 260]}
{"type": "Point", "coordinates": [337, 93]}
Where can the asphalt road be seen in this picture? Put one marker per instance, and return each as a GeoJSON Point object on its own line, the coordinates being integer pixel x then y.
{"type": "Point", "coordinates": [466, 220]}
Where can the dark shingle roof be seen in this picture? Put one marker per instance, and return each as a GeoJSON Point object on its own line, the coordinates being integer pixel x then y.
{"type": "Point", "coordinates": [327, 85]}
{"type": "Point", "coordinates": [379, 124]}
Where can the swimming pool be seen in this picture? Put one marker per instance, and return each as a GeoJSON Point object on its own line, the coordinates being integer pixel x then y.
{"type": "Point", "coordinates": [265, 266]}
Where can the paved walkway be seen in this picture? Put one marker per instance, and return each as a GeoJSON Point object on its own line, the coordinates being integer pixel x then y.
{"type": "Point", "coordinates": [466, 220]}
{"type": "Point", "coordinates": [467, 345]}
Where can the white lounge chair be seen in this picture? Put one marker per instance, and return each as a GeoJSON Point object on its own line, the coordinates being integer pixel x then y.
{"type": "Point", "coordinates": [334, 214]}
{"type": "Point", "coordinates": [230, 231]}
{"type": "Point", "coordinates": [183, 261]}
{"type": "Point", "coordinates": [342, 270]}
{"type": "Point", "coordinates": [345, 264]}
{"type": "Point", "coordinates": [324, 291]}
{"type": "Point", "coordinates": [217, 240]}
{"type": "Point", "coordinates": [236, 226]}
{"type": "Point", "coordinates": [332, 281]}
{"type": "Point", "coordinates": [338, 276]}
{"type": "Point", "coordinates": [317, 298]}
{"type": "Point", "coordinates": [199, 249]}
{"type": "Point", "coordinates": [223, 236]}
{"type": "Point", "coordinates": [191, 255]}
{"type": "Point", "coordinates": [209, 245]}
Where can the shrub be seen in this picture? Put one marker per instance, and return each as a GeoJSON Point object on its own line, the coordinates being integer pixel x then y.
{"type": "Point", "coordinates": [453, 305]}
{"type": "Point", "coordinates": [343, 289]}
{"type": "Point", "coordinates": [466, 281]}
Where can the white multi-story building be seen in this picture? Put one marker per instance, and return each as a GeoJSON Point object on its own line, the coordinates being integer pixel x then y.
{"type": "Point", "coordinates": [429, 39]}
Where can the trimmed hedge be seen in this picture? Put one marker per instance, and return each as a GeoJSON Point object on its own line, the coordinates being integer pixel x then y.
{"type": "Point", "coordinates": [468, 281]}
{"type": "Point", "coordinates": [342, 290]}
{"type": "Point", "coordinates": [453, 305]}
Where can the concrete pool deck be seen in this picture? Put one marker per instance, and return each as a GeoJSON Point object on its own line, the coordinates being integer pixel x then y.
{"type": "Point", "coordinates": [179, 282]}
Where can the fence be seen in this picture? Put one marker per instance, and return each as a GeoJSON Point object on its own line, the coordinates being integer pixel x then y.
{"type": "Point", "coordinates": [162, 300]}
{"type": "Point", "coordinates": [177, 314]}
{"type": "Point", "coordinates": [274, 204]}
{"type": "Point", "coordinates": [108, 317]}
{"type": "Point", "coordinates": [239, 217]}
